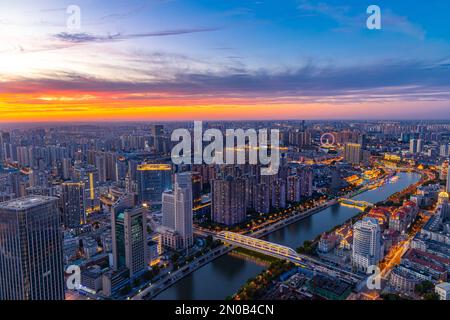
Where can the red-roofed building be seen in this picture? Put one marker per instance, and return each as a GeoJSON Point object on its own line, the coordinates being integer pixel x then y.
{"type": "Point", "coordinates": [437, 267]}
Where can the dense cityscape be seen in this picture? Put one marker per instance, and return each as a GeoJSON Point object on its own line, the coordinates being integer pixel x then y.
{"type": "Point", "coordinates": [358, 210]}
{"type": "Point", "coordinates": [201, 159]}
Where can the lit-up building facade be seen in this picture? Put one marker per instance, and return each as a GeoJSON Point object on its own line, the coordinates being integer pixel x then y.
{"type": "Point", "coordinates": [152, 181]}
{"type": "Point", "coordinates": [31, 250]}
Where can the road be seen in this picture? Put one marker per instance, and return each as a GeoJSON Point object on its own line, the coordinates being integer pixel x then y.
{"type": "Point", "coordinates": [172, 277]}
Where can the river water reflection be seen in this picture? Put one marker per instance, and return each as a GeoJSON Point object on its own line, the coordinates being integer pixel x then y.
{"type": "Point", "coordinates": [225, 275]}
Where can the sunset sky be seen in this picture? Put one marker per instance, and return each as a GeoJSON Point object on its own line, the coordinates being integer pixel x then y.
{"type": "Point", "coordinates": [223, 59]}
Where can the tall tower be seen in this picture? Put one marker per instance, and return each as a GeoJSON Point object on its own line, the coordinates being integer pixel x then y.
{"type": "Point", "coordinates": [419, 145]}
{"type": "Point", "coordinates": [129, 237]}
{"type": "Point", "coordinates": [352, 153]}
{"type": "Point", "coordinates": [183, 207]}
{"type": "Point", "coordinates": [168, 209]}
{"type": "Point", "coordinates": [74, 212]}
{"type": "Point", "coordinates": [152, 181]}
{"type": "Point", "coordinates": [228, 201]}
{"type": "Point", "coordinates": [31, 250]}
{"type": "Point", "coordinates": [413, 146]}
{"type": "Point", "coordinates": [366, 244]}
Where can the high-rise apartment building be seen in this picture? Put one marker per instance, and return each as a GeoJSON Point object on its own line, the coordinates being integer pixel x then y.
{"type": "Point", "coordinates": [228, 201]}
{"type": "Point", "coordinates": [444, 150]}
{"type": "Point", "coordinates": [293, 188]}
{"type": "Point", "coordinates": [278, 193]}
{"type": "Point", "coordinates": [352, 153]}
{"type": "Point", "coordinates": [367, 249]}
{"type": "Point", "coordinates": [73, 204]}
{"type": "Point", "coordinates": [31, 250]}
{"type": "Point", "coordinates": [261, 197]}
{"type": "Point", "coordinates": [415, 146]}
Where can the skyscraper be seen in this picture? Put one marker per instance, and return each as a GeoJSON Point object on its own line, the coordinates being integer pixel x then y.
{"type": "Point", "coordinates": [152, 181]}
{"type": "Point", "coordinates": [168, 209]}
{"type": "Point", "coordinates": [278, 193]}
{"type": "Point", "coordinates": [444, 150]}
{"type": "Point", "coordinates": [100, 164]}
{"type": "Point", "coordinates": [366, 244]}
{"type": "Point", "coordinates": [31, 250]}
{"type": "Point", "coordinates": [293, 188]}
{"type": "Point", "coordinates": [74, 213]}
{"type": "Point", "coordinates": [261, 197]}
{"type": "Point", "coordinates": [352, 153]}
{"type": "Point", "coordinates": [419, 145]}
{"type": "Point", "coordinates": [183, 208]}
{"type": "Point", "coordinates": [228, 201]}
{"type": "Point", "coordinates": [129, 237]}
{"type": "Point", "coordinates": [413, 146]}
{"type": "Point", "coordinates": [306, 181]}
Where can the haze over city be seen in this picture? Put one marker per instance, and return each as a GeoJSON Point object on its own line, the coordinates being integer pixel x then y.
{"type": "Point", "coordinates": [218, 158]}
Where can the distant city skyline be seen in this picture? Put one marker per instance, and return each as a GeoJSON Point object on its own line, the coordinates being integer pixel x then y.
{"type": "Point", "coordinates": [209, 60]}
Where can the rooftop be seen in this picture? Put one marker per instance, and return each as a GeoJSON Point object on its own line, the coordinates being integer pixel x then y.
{"type": "Point", "coordinates": [154, 167]}
{"type": "Point", "coordinates": [26, 202]}
{"type": "Point", "coordinates": [444, 285]}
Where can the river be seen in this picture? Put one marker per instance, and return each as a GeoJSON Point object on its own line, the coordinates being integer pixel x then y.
{"type": "Point", "coordinates": [225, 275]}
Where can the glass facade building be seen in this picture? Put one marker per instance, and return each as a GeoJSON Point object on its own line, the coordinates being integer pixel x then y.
{"type": "Point", "coordinates": [31, 250]}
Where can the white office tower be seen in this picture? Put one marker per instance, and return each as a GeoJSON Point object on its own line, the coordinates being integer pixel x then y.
{"type": "Point", "coordinates": [183, 208]}
{"type": "Point", "coordinates": [31, 250]}
{"type": "Point", "coordinates": [168, 209]}
{"type": "Point", "coordinates": [444, 150]}
{"type": "Point", "coordinates": [366, 244]}
{"type": "Point", "coordinates": [413, 146]}
{"type": "Point", "coordinates": [419, 145]}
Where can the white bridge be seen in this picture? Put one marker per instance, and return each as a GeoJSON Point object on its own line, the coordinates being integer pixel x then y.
{"type": "Point", "coordinates": [258, 245]}
{"type": "Point", "coordinates": [286, 253]}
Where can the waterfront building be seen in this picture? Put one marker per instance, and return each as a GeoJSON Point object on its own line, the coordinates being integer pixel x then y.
{"type": "Point", "coordinates": [228, 201]}
{"type": "Point", "coordinates": [293, 188]}
{"type": "Point", "coordinates": [183, 208]}
{"type": "Point", "coordinates": [278, 196]}
{"type": "Point", "coordinates": [261, 198]}
{"type": "Point", "coordinates": [367, 249]}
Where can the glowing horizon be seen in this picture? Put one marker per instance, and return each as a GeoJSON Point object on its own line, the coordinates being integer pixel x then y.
{"type": "Point", "coordinates": [191, 60]}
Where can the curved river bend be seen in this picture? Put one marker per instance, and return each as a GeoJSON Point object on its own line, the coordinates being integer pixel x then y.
{"type": "Point", "coordinates": [225, 275]}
